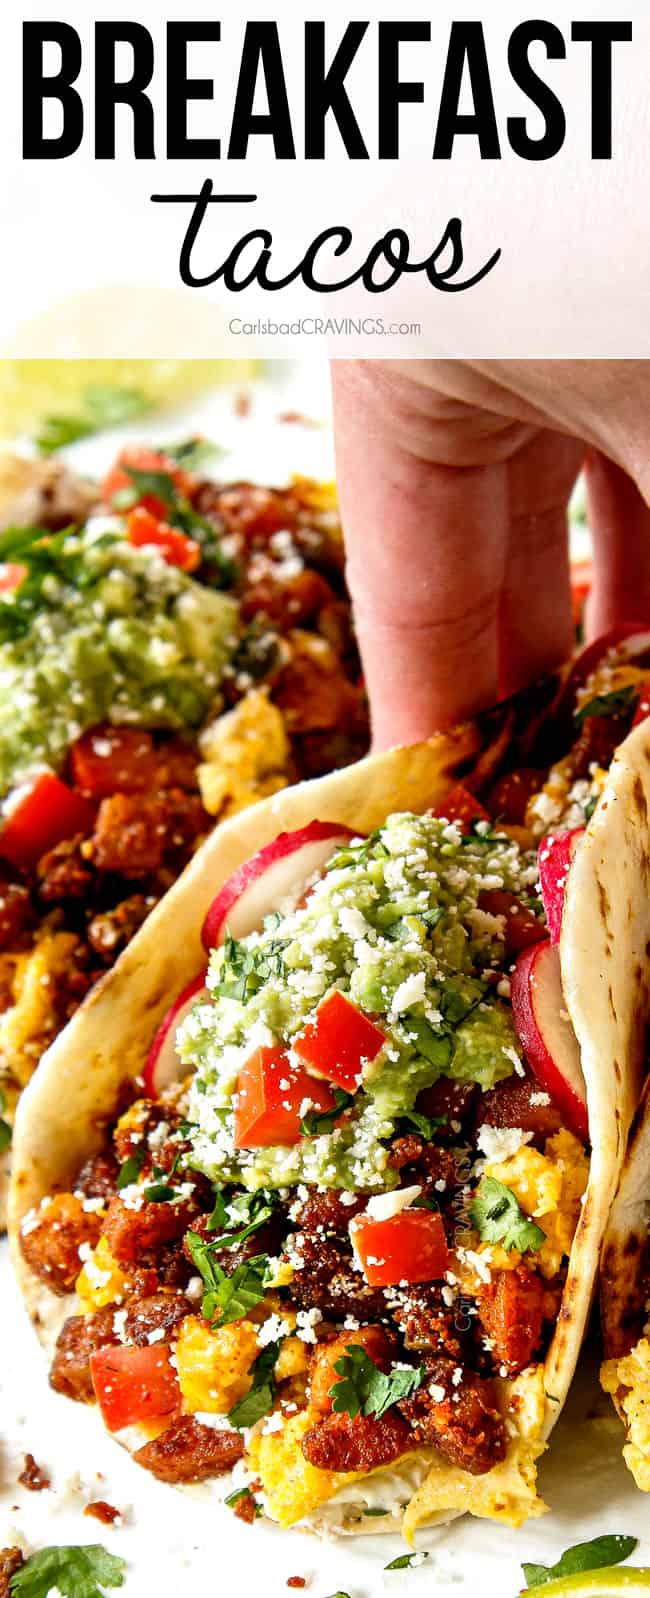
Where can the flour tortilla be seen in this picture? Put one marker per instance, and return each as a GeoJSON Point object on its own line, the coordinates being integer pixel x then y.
{"type": "Point", "coordinates": [605, 931]}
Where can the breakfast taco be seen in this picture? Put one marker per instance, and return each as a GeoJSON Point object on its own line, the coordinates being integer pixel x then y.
{"type": "Point", "coordinates": [171, 649]}
{"type": "Point", "coordinates": [625, 1299]}
{"type": "Point", "coordinates": [310, 1194]}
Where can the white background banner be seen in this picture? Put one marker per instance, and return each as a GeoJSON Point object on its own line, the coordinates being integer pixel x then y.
{"type": "Point", "coordinates": [560, 246]}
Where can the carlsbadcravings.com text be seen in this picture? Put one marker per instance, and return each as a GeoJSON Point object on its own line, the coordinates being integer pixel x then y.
{"type": "Point", "coordinates": [262, 115]}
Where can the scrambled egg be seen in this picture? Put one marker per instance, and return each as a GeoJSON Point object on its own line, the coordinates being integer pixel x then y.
{"type": "Point", "coordinates": [245, 756]}
{"type": "Point", "coordinates": [292, 1487]}
{"type": "Point", "coordinates": [508, 1492]}
{"type": "Point", "coordinates": [549, 1188]}
{"type": "Point", "coordinates": [632, 1373]}
{"type": "Point", "coordinates": [562, 799]}
{"type": "Point", "coordinates": [29, 1024]}
{"type": "Point", "coordinates": [213, 1365]}
{"type": "Point", "coordinates": [101, 1281]}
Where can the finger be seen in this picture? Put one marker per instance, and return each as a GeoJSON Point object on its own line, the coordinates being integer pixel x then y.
{"type": "Point", "coordinates": [535, 621]}
{"type": "Point", "coordinates": [620, 523]}
{"type": "Point", "coordinates": [426, 551]}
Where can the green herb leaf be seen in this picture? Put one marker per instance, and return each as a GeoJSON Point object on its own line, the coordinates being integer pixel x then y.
{"type": "Point", "coordinates": [259, 1399]}
{"type": "Point", "coordinates": [77, 1572]}
{"type": "Point", "coordinates": [159, 484]}
{"type": "Point", "coordinates": [244, 971]}
{"type": "Point", "coordinates": [405, 1561]}
{"type": "Point", "coordinates": [590, 807]}
{"type": "Point", "coordinates": [339, 1594]}
{"type": "Point", "coordinates": [130, 1170]}
{"type": "Point", "coordinates": [596, 1555]}
{"type": "Point", "coordinates": [426, 1125]}
{"type": "Point", "coordinates": [253, 1208]}
{"type": "Point", "coordinates": [103, 407]}
{"type": "Point", "coordinates": [160, 1193]}
{"type": "Point", "coordinates": [235, 1498]}
{"type": "Point", "coordinates": [6, 1134]}
{"type": "Point", "coordinates": [373, 1513]}
{"type": "Point", "coordinates": [228, 1297]}
{"type": "Point", "coordinates": [498, 1218]}
{"type": "Point", "coordinates": [615, 704]}
{"type": "Point", "coordinates": [191, 454]}
{"type": "Point", "coordinates": [364, 1389]}
{"type": "Point", "coordinates": [316, 1123]}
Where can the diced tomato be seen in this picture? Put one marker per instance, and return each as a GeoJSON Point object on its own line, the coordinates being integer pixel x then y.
{"type": "Point", "coordinates": [460, 805]}
{"type": "Point", "coordinates": [11, 576]}
{"type": "Point", "coordinates": [144, 530]}
{"type": "Point", "coordinates": [643, 708]}
{"type": "Point", "coordinates": [338, 1040]}
{"type": "Point", "coordinates": [110, 760]}
{"type": "Point", "coordinates": [582, 577]}
{"type": "Point", "coordinates": [521, 927]}
{"type": "Point", "coordinates": [143, 460]}
{"type": "Point", "coordinates": [133, 1384]}
{"type": "Point", "coordinates": [271, 1098]}
{"type": "Point", "coordinates": [408, 1247]}
{"type": "Point", "coordinates": [49, 812]}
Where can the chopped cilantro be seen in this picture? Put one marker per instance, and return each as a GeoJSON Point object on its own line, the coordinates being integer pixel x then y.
{"type": "Point", "coordinates": [596, 1555]}
{"type": "Point", "coordinates": [615, 704]}
{"type": "Point", "coordinates": [426, 1125]}
{"type": "Point", "coordinates": [245, 970]}
{"type": "Point", "coordinates": [590, 807]}
{"type": "Point", "coordinates": [405, 1561]}
{"type": "Point", "coordinates": [75, 1572]}
{"type": "Point", "coordinates": [259, 1399]}
{"type": "Point", "coordinates": [366, 1390]}
{"type": "Point", "coordinates": [160, 1193]}
{"type": "Point", "coordinates": [192, 453]}
{"type": "Point", "coordinates": [235, 1498]}
{"type": "Point", "coordinates": [228, 1297]}
{"type": "Point", "coordinates": [130, 1170]}
{"type": "Point", "coordinates": [498, 1218]}
{"type": "Point", "coordinates": [103, 407]}
{"type": "Point", "coordinates": [372, 1513]}
{"type": "Point", "coordinates": [253, 1209]}
{"type": "Point", "coordinates": [317, 1123]}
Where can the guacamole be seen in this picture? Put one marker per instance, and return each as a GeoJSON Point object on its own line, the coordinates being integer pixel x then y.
{"type": "Point", "coordinates": [395, 925]}
{"type": "Point", "coordinates": [101, 631]}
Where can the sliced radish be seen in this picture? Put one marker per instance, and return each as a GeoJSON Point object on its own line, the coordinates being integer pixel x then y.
{"type": "Point", "coordinates": [549, 1041]}
{"type": "Point", "coordinates": [278, 872]}
{"type": "Point", "coordinates": [643, 708]}
{"type": "Point", "coordinates": [163, 1066]}
{"type": "Point", "coordinates": [555, 855]}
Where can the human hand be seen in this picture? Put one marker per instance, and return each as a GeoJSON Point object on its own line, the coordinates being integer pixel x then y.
{"type": "Point", "coordinates": [454, 479]}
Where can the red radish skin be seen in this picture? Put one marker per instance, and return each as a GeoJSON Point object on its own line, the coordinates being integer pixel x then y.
{"type": "Point", "coordinates": [279, 871]}
{"type": "Point", "coordinates": [643, 708]}
{"type": "Point", "coordinates": [544, 1029]}
{"type": "Point", "coordinates": [163, 1066]}
{"type": "Point", "coordinates": [555, 855]}
{"type": "Point", "coordinates": [629, 640]}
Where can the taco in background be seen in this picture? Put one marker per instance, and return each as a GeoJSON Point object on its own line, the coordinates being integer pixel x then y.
{"type": "Point", "coordinates": [172, 648]}
{"type": "Point", "coordinates": [625, 1300]}
{"type": "Point", "coordinates": [340, 1245]}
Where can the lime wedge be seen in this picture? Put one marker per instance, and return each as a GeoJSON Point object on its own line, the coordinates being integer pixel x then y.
{"type": "Point", "coordinates": [598, 1584]}
{"type": "Point", "coordinates": [30, 390]}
